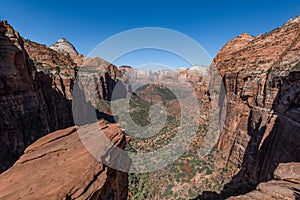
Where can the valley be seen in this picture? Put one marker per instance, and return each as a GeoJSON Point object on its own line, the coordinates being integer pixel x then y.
{"type": "Point", "coordinates": [47, 95]}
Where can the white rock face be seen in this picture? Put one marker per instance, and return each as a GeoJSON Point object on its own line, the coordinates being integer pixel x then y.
{"type": "Point", "coordinates": [203, 70]}
{"type": "Point", "coordinates": [64, 46]}
{"type": "Point", "coordinates": [294, 20]}
{"type": "Point", "coordinates": [141, 77]}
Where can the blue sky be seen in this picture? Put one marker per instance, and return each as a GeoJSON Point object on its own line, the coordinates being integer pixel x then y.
{"type": "Point", "coordinates": [85, 24]}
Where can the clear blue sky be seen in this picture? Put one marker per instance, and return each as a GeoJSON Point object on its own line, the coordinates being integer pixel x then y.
{"type": "Point", "coordinates": [212, 23]}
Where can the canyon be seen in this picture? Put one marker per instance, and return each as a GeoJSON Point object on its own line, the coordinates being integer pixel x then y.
{"type": "Point", "coordinates": [262, 80]}
{"type": "Point", "coordinates": [36, 90]}
{"type": "Point", "coordinates": [256, 156]}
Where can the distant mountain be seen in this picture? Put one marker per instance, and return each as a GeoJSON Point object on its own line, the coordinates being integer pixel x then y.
{"type": "Point", "coordinates": [64, 46]}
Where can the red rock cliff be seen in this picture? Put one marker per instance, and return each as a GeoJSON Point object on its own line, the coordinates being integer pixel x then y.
{"type": "Point", "coordinates": [26, 112]}
{"type": "Point", "coordinates": [36, 84]}
{"type": "Point", "coordinates": [262, 80]}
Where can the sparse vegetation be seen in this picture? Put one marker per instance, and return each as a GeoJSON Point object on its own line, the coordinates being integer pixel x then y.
{"type": "Point", "coordinates": [176, 181]}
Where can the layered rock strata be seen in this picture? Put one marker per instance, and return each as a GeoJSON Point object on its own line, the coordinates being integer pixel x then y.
{"type": "Point", "coordinates": [29, 105]}
{"type": "Point", "coordinates": [36, 84]}
{"type": "Point", "coordinates": [262, 81]}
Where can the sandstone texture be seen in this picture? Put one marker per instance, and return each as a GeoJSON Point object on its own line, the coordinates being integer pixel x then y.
{"type": "Point", "coordinates": [58, 166]}
{"type": "Point", "coordinates": [56, 73]}
{"type": "Point", "coordinates": [29, 105]}
{"type": "Point", "coordinates": [64, 46]}
{"type": "Point", "coordinates": [285, 186]}
{"type": "Point", "coordinates": [262, 81]}
{"type": "Point", "coordinates": [98, 78]}
{"type": "Point", "coordinates": [59, 67]}
{"type": "Point", "coordinates": [36, 84]}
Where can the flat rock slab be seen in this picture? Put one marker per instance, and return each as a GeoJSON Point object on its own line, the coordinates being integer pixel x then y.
{"type": "Point", "coordinates": [288, 171]}
{"type": "Point", "coordinates": [58, 166]}
{"type": "Point", "coordinates": [286, 186]}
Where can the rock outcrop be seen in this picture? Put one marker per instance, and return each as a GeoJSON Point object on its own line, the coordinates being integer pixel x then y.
{"type": "Point", "coordinates": [285, 186]}
{"type": "Point", "coordinates": [234, 45]}
{"type": "Point", "coordinates": [262, 80]}
{"type": "Point", "coordinates": [98, 78]}
{"type": "Point", "coordinates": [25, 99]}
{"type": "Point", "coordinates": [65, 47]}
{"type": "Point", "coordinates": [36, 84]}
{"type": "Point", "coordinates": [58, 166]}
{"type": "Point", "coordinates": [56, 74]}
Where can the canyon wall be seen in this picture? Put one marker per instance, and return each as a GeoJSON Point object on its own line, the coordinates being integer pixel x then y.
{"type": "Point", "coordinates": [26, 112]}
{"type": "Point", "coordinates": [262, 79]}
{"type": "Point", "coordinates": [36, 84]}
{"type": "Point", "coordinates": [56, 75]}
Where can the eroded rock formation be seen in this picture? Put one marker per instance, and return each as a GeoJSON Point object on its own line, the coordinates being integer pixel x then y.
{"type": "Point", "coordinates": [64, 46]}
{"type": "Point", "coordinates": [58, 166]}
{"type": "Point", "coordinates": [262, 80]}
{"type": "Point", "coordinates": [36, 84]}
{"type": "Point", "coordinates": [56, 76]}
{"type": "Point", "coordinates": [29, 105]}
{"type": "Point", "coordinates": [285, 186]}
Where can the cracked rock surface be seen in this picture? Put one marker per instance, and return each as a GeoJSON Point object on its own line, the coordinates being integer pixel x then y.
{"type": "Point", "coordinates": [285, 186]}
{"type": "Point", "coordinates": [58, 166]}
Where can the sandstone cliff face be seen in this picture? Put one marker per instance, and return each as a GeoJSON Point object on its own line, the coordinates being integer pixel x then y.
{"type": "Point", "coordinates": [22, 105]}
{"type": "Point", "coordinates": [98, 78]}
{"type": "Point", "coordinates": [262, 80]}
{"type": "Point", "coordinates": [58, 166]}
{"type": "Point", "coordinates": [36, 84]}
{"type": "Point", "coordinates": [62, 63]}
{"type": "Point", "coordinates": [59, 67]}
{"type": "Point", "coordinates": [56, 75]}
